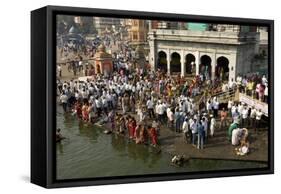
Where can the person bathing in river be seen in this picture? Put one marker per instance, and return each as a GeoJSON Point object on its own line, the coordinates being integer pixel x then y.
{"type": "Point", "coordinates": [111, 119]}
{"type": "Point", "coordinates": [132, 127]}
{"type": "Point", "coordinates": [91, 113]}
{"type": "Point", "coordinates": [137, 133]}
{"type": "Point", "coordinates": [85, 112]}
{"type": "Point", "coordinates": [78, 110]}
{"type": "Point", "coordinates": [143, 135]}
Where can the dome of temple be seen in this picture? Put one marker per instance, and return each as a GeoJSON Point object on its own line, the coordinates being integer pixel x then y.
{"type": "Point", "coordinates": [101, 48]}
{"type": "Point", "coordinates": [101, 53]}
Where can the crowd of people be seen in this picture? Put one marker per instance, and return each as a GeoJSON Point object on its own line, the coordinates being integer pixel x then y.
{"type": "Point", "coordinates": [77, 56]}
{"type": "Point", "coordinates": [139, 103]}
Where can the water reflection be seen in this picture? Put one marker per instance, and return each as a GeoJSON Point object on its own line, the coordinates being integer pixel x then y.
{"type": "Point", "coordinates": [118, 143]}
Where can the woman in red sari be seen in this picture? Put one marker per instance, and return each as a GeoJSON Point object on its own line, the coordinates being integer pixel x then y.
{"type": "Point", "coordinates": [85, 112]}
{"type": "Point", "coordinates": [153, 136]}
{"type": "Point", "coordinates": [143, 135]}
{"type": "Point", "coordinates": [78, 110]}
{"type": "Point", "coordinates": [132, 128]}
{"type": "Point", "coordinates": [137, 134]}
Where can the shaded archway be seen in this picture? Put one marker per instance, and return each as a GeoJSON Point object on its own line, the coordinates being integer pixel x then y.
{"type": "Point", "coordinates": [162, 61]}
{"type": "Point", "coordinates": [222, 68]}
{"type": "Point", "coordinates": [189, 62]}
{"type": "Point", "coordinates": [175, 62]}
{"type": "Point", "coordinates": [205, 67]}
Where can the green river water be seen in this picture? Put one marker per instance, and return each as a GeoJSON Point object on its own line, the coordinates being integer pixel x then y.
{"type": "Point", "coordinates": [88, 152]}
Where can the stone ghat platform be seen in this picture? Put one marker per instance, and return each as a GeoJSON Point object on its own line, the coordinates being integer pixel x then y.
{"type": "Point", "coordinates": [217, 147]}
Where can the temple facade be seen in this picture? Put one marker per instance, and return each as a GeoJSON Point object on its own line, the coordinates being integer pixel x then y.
{"type": "Point", "coordinates": [103, 61]}
{"type": "Point", "coordinates": [226, 52]}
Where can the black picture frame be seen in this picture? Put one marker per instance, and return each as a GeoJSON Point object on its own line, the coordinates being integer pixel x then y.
{"type": "Point", "coordinates": [43, 84]}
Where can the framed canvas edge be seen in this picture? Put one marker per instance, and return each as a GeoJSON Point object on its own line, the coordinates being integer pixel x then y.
{"type": "Point", "coordinates": [51, 182]}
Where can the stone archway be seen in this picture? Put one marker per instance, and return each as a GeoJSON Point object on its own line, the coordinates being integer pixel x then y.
{"type": "Point", "coordinates": [189, 62]}
{"type": "Point", "coordinates": [175, 62]}
{"type": "Point", "coordinates": [222, 68]}
{"type": "Point", "coordinates": [205, 67]}
{"type": "Point", "coordinates": [162, 61]}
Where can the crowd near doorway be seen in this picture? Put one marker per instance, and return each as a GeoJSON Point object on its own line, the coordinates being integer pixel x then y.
{"type": "Point", "coordinates": [175, 62]}
{"type": "Point", "coordinates": [205, 67]}
{"type": "Point", "coordinates": [222, 68]}
{"type": "Point", "coordinates": [162, 61]}
{"type": "Point", "coordinates": [190, 62]}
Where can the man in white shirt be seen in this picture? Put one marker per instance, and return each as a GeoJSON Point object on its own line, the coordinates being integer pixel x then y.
{"type": "Point", "coordinates": [240, 107]}
{"type": "Point", "coordinates": [98, 106]}
{"type": "Point", "coordinates": [253, 117]}
{"type": "Point", "coordinates": [150, 107]}
{"type": "Point", "coordinates": [205, 125]}
{"type": "Point", "coordinates": [229, 105]}
{"type": "Point", "coordinates": [104, 104]}
{"type": "Point", "coordinates": [193, 127]}
{"type": "Point", "coordinates": [80, 63]}
{"type": "Point", "coordinates": [258, 119]}
{"type": "Point", "coordinates": [59, 70]}
{"type": "Point", "coordinates": [244, 114]}
{"type": "Point", "coordinates": [235, 137]}
{"type": "Point", "coordinates": [212, 125]}
{"type": "Point", "coordinates": [185, 129]}
{"type": "Point", "coordinates": [161, 113]}
{"type": "Point", "coordinates": [266, 93]}
{"type": "Point", "coordinates": [264, 80]}
{"type": "Point", "coordinates": [170, 116]}
{"type": "Point", "coordinates": [109, 100]}
{"type": "Point", "coordinates": [64, 99]}
{"type": "Point", "coordinates": [209, 106]}
{"type": "Point", "coordinates": [215, 108]}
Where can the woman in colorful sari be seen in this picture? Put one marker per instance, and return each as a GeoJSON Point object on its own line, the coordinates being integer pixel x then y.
{"type": "Point", "coordinates": [90, 112]}
{"type": "Point", "coordinates": [78, 110]}
{"type": "Point", "coordinates": [143, 134]}
{"type": "Point", "coordinates": [137, 134]}
{"type": "Point", "coordinates": [132, 127]}
{"type": "Point", "coordinates": [153, 136]}
{"type": "Point", "coordinates": [169, 90]}
{"type": "Point", "coordinates": [85, 112]}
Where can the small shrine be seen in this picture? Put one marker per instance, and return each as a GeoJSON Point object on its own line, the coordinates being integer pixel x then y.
{"type": "Point", "coordinates": [103, 61]}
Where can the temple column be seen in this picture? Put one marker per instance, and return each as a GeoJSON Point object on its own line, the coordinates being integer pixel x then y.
{"type": "Point", "coordinates": [197, 61]}
{"type": "Point", "coordinates": [182, 64]}
{"type": "Point", "coordinates": [233, 71]}
{"type": "Point", "coordinates": [168, 63]}
{"type": "Point", "coordinates": [152, 54]}
{"type": "Point", "coordinates": [213, 64]}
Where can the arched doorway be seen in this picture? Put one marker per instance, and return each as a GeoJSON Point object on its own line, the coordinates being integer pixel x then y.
{"type": "Point", "coordinates": [175, 62]}
{"type": "Point", "coordinates": [205, 67]}
{"type": "Point", "coordinates": [222, 68]}
{"type": "Point", "coordinates": [162, 61]}
{"type": "Point", "coordinates": [189, 62]}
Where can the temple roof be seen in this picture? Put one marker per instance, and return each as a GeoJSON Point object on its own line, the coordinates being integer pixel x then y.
{"type": "Point", "coordinates": [101, 53]}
